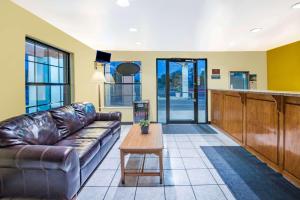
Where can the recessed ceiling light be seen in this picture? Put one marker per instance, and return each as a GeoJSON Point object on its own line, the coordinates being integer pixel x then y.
{"type": "Point", "coordinates": [123, 3]}
{"type": "Point", "coordinates": [133, 30]}
{"type": "Point", "coordinates": [255, 30]}
{"type": "Point", "coordinates": [231, 44]}
{"type": "Point", "coordinates": [296, 5]}
{"type": "Point", "coordinates": [138, 43]}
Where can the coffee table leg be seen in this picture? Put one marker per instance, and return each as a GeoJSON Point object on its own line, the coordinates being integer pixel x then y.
{"type": "Point", "coordinates": [122, 167]}
{"type": "Point", "coordinates": [161, 166]}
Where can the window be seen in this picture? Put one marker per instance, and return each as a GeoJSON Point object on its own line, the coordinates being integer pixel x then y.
{"type": "Point", "coordinates": [47, 77]}
{"type": "Point", "coordinates": [239, 80]}
{"type": "Point", "coordinates": [121, 90]}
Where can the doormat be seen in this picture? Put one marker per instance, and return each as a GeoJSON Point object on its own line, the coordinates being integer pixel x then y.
{"type": "Point", "coordinates": [188, 129]}
{"type": "Point", "coordinates": [247, 177]}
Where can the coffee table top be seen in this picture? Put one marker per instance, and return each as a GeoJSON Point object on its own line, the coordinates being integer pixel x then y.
{"type": "Point", "coordinates": [135, 140]}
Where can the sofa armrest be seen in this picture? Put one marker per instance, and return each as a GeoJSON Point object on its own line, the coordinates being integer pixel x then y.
{"type": "Point", "coordinates": [111, 116]}
{"type": "Point", "coordinates": [39, 172]}
{"type": "Point", "coordinates": [39, 157]}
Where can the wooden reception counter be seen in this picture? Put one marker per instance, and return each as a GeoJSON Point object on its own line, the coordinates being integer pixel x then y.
{"type": "Point", "coordinates": [267, 123]}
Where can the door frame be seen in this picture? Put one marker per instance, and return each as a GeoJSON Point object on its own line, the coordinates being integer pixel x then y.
{"type": "Point", "coordinates": [195, 60]}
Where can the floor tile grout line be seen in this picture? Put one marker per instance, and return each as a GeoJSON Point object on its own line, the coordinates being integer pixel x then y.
{"type": "Point", "coordinates": [165, 192]}
{"type": "Point", "coordinates": [202, 158]}
{"type": "Point", "coordinates": [190, 180]}
{"type": "Point", "coordinates": [216, 181]}
{"type": "Point", "coordinates": [138, 178]}
{"type": "Point", "coordinates": [213, 175]}
{"type": "Point", "coordinates": [223, 192]}
{"type": "Point", "coordinates": [115, 174]}
{"type": "Point", "coordinates": [210, 174]}
{"type": "Point", "coordinates": [209, 169]}
{"type": "Point", "coordinates": [111, 182]}
{"type": "Point", "coordinates": [113, 179]}
{"type": "Point", "coordinates": [176, 141]}
{"type": "Point", "coordinates": [220, 133]}
{"type": "Point", "coordinates": [162, 185]}
{"type": "Point", "coordinates": [187, 175]}
{"type": "Point", "coordinates": [106, 193]}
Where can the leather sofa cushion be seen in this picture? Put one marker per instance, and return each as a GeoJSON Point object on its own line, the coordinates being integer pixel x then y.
{"type": "Point", "coordinates": [110, 116]}
{"type": "Point", "coordinates": [113, 125]}
{"type": "Point", "coordinates": [86, 148]}
{"type": "Point", "coordinates": [92, 133]}
{"type": "Point", "coordinates": [86, 112]}
{"type": "Point", "coordinates": [36, 129]}
{"type": "Point", "coordinates": [66, 120]}
{"type": "Point", "coordinates": [105, 140]}
{"type": "Point", "coordinates": [101, 134]}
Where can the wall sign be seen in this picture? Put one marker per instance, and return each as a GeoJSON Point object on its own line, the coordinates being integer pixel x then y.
{"type": "Point", "coordinates": [253, 81]}
{"type": "Point", "coordinates": [215, 74]}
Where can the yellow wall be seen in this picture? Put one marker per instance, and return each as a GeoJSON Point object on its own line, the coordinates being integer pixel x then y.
{"type": "Point", "coordinates": [284, 67]}
{"type": "Point", "coordinates": [15, 25]}
{"type": "Point", "coordinates": [255, 62]}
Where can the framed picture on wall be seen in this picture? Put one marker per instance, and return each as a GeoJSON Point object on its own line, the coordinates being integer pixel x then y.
{"type": "Point", "coordinates": [215, 74]}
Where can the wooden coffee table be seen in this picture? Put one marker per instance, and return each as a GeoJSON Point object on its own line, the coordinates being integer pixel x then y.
{"type": "Point", "coordinates": [138, 143]}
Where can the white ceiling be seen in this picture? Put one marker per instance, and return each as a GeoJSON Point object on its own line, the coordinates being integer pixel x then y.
{"type": "Point", "coordinates": [173, 25]}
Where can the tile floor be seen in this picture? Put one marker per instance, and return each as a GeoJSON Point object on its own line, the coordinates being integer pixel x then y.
{"type": "Point", "coordinates": [188, 174]}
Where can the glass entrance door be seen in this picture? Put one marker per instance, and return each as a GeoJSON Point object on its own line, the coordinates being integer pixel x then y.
{"type": "Point", "coordinates": [181, 92]}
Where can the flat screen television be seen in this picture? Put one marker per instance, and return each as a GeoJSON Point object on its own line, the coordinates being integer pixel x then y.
{"type": "Point", "coordinates": [103, 57]}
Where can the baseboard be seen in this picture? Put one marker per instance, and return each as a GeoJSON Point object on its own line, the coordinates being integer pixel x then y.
{"type": "Point", "coordinates": [130, 123]}
{"type": "Point", "coordinates": [153, 122]}
{"type": "Point", "coordinates": [126, 123]}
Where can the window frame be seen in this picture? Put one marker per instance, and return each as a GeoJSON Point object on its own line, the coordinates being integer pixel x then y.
{"type": "Point", "coordinates": [66, 95]}
{"type": "Point", "coordinates": [197, 90]}
{"type": "Point", "coordinates": [133, 86]}
{"type": "Point", "coordinates": [247, 74]}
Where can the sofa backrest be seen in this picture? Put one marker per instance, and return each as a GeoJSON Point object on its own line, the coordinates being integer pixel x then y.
{"type": "Point", "coordinates": [38, 128]}
{"type": "Point", "coordinates": [86, 112]}
{"type": "Point", "coordinates": [67, 121]}
{"type": "Point", "coordinates": [46, 127]}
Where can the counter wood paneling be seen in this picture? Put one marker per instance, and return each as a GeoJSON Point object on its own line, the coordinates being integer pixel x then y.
{"type": "Point", "coordinates": [292, 136]}
{"type": "Point", "coordinates": [267, 123]}
{"type": "Point", "coordinates": [262, 127]}
{"type": "Point", "coordinates": [217, 102]}
{"type": "Point", "coordinates": [233, 115]}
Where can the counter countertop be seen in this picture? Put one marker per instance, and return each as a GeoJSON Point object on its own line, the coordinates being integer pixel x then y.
{"type": "Point", "coordinates": [270, 92]}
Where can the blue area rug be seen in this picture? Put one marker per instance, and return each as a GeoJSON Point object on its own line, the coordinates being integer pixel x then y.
{"type": "Point", "coordinates": [247, 177]}
{"type": "Point", "coordinates": [188, 129]}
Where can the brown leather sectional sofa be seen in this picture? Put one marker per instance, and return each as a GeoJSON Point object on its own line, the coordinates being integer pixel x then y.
{"type": "Point", "coordinates": [51, 154]}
